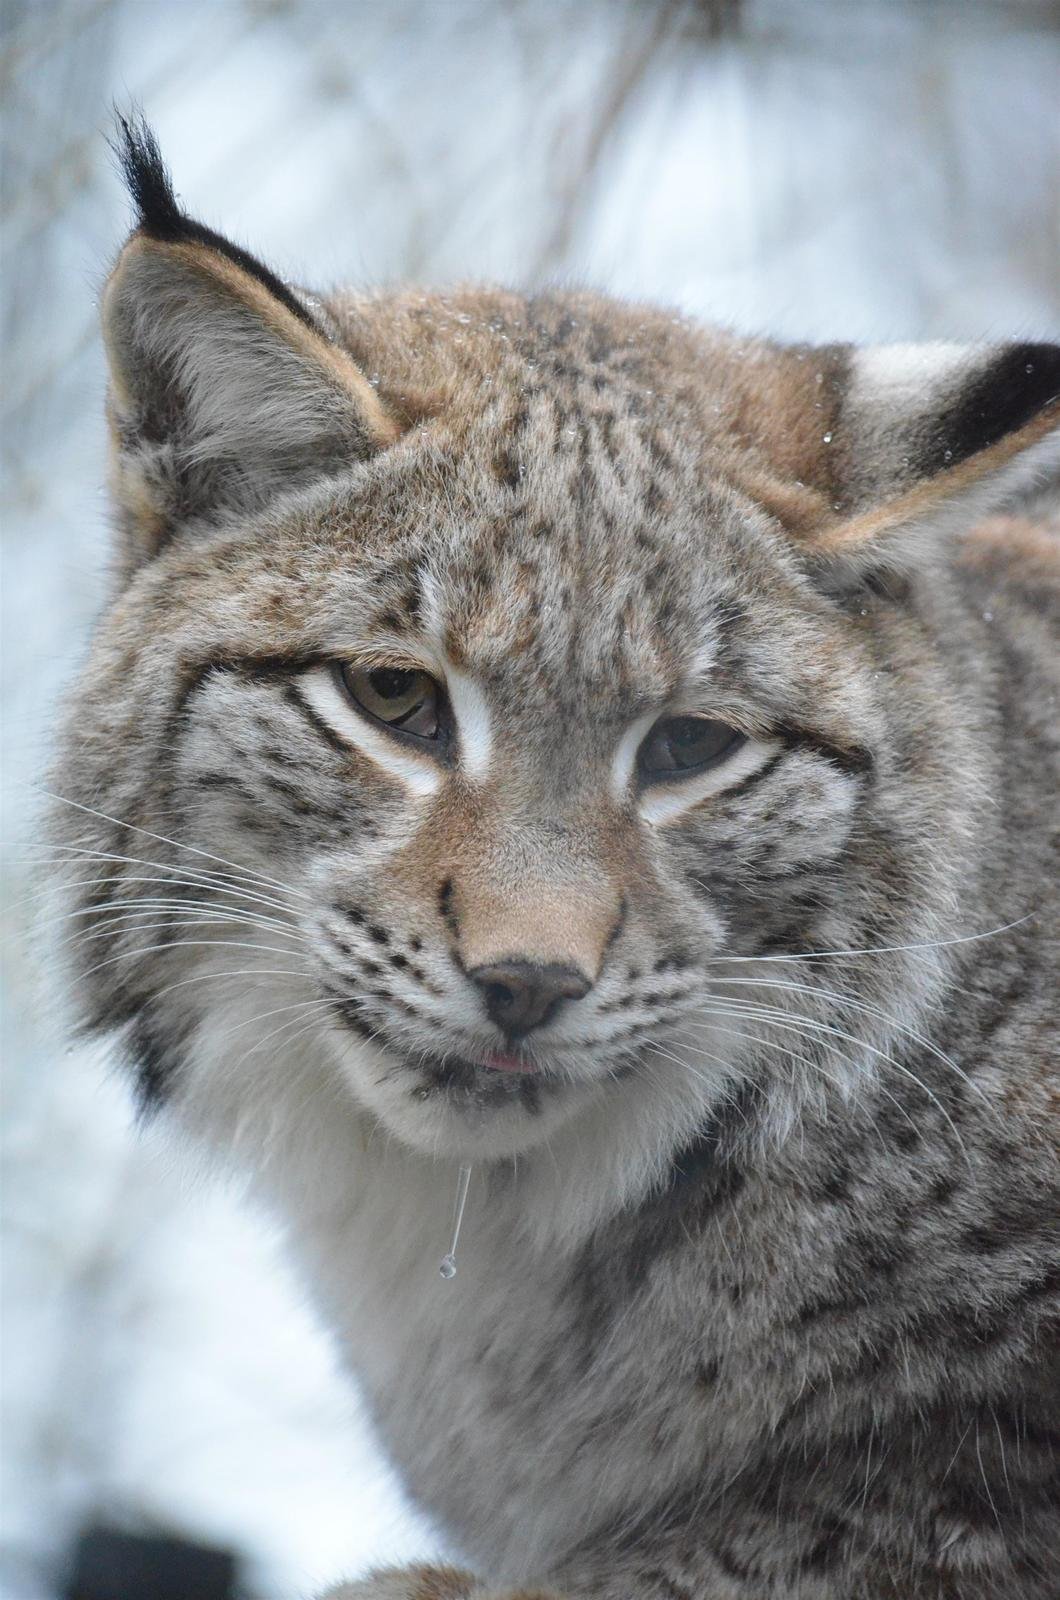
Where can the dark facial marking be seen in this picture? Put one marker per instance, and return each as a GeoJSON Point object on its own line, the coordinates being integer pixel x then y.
{"type": "Point", "coordinates": [155, 1061]}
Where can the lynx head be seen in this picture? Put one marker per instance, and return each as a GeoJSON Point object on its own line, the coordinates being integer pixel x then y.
{"type": "Point", "coordinates": [491, 681]}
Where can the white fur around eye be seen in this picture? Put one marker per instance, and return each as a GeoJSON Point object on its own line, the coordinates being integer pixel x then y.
{"type": "Point", "coordinates": [626, 755]}
{"type": "Point", "coordinates": [470, 709]}
{"type": "Point", "coordinates": [662, 802]}
{"type": "Point", "coordinates": [472, 717]}
{"type": "Point", "coordinates": [420, 773]}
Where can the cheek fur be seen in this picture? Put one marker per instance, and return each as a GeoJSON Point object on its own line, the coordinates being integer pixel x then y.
{"type": "Point", "coordinates": [253, 765]}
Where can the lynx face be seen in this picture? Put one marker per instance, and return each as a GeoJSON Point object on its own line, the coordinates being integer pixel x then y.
{"type": "Point", "coordinates": [492, 682]}
{"type": "Point", "coordinates": [527, 790]}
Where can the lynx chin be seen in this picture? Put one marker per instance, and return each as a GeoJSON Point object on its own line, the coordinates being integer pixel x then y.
{"type": "Point", "coordinates": [537, 734]}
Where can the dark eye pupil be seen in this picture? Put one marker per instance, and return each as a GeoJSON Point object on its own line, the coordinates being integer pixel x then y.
{"type": "Point", "coordinates": [686, 744]}
{"type": "Point", "coordinates": [390, 683]}
{"type": "Point", "coordinates": [689, 733]}
{"type": "Point", "coordinates": [694, 739]}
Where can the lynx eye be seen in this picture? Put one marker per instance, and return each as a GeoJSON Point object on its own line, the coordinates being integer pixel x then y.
{"type": "Point", "coordinates": [681, 747]}
{"type": "Point", "coordinates": [400, 697]}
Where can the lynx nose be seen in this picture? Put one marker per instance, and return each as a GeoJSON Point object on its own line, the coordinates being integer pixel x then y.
{"type": "Point", "coordinates": [520, 995]}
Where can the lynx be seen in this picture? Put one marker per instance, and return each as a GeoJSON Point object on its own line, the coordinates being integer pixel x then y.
{"type": "Point", "coordinates": [543, 753]}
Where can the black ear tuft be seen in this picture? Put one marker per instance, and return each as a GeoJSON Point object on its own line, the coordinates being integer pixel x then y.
{"type": "Point", "coordinates": [147, 179]}
{"type": "Point", "coordinates": [1013, 388]}
{"type": "Point", "coordinates": [160, 217]}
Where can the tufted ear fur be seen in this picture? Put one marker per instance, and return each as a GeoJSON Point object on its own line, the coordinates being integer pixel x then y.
{"type": "Point", "coordinates": [923, 440]}
{"type": "Point", "coordinates": [225, 388]}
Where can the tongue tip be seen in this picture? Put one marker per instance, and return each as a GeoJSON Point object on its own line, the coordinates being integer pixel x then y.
{"type": "Point", "coordinates": [497, 1061]}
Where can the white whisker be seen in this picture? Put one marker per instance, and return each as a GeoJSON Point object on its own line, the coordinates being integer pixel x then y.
{"type": "Point", "coordinates": [263, 1016]}
{"type": "Point", "coordinates": [885, 949]}
{"type": "Point", "coordinates": [296, 1023]}
{"type": "Point", "coordinates": [858, 1005]}
{"type": "Point", "coordinates": [193, 944]}
{"type": "Point", "coordinates": [783, 1019]}
{"type": "Point", "coordinates": [179, 901]}
{"type": "Point", "coordinates": [238, 972]}
{"type": "Point", "coordinates": [130, 924]}
{"type": "Point", "coordinates": [219, 882]}
{"type": "Point", "coordinates": [177, 844]}
{"type": "Point", "coordinates": [110, 912]}
{"type": "Point", "coordinates": [806, 1061]}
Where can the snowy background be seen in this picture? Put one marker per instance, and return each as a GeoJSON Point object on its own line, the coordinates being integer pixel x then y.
{"type": "Point", "coordinates": [875, 171]}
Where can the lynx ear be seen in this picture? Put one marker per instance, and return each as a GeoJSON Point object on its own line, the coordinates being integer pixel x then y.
{"type": "Point", "coordinates": [926, 439]}
{"type": "Point", "coordinates": [225, 390]}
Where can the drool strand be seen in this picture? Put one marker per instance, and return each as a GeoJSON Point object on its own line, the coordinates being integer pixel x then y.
{"type": "Point", "coordinates": [447, 1267]}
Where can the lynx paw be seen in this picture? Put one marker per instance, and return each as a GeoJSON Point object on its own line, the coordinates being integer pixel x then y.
{"type": "Point", "coordinates": [429, 1583]}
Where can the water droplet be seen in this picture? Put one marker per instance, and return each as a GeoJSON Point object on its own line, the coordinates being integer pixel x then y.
{"type": "Point", "coordinates": [447, 1267]}
{"type": "Point", "coordinates": [947, 455]}
{"type": "Point", "coordinates": [988, 616]}
{"type": "Point", "coordinates": [1030, 366]}
{"type": "Point", "coordinates": [462, 316]}
{"type": "Point", "coordinates": [864, 612]}
{"type": "Point", "coordinates": [827, 438]}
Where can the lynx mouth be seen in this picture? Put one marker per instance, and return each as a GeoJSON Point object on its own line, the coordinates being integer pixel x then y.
{"type": "Point", "coordinates": [501, 1061]}
{"type": "Point", "coordinates": [498, 1070]}
{"type": "Point", "coordinates": [495, 1073]}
